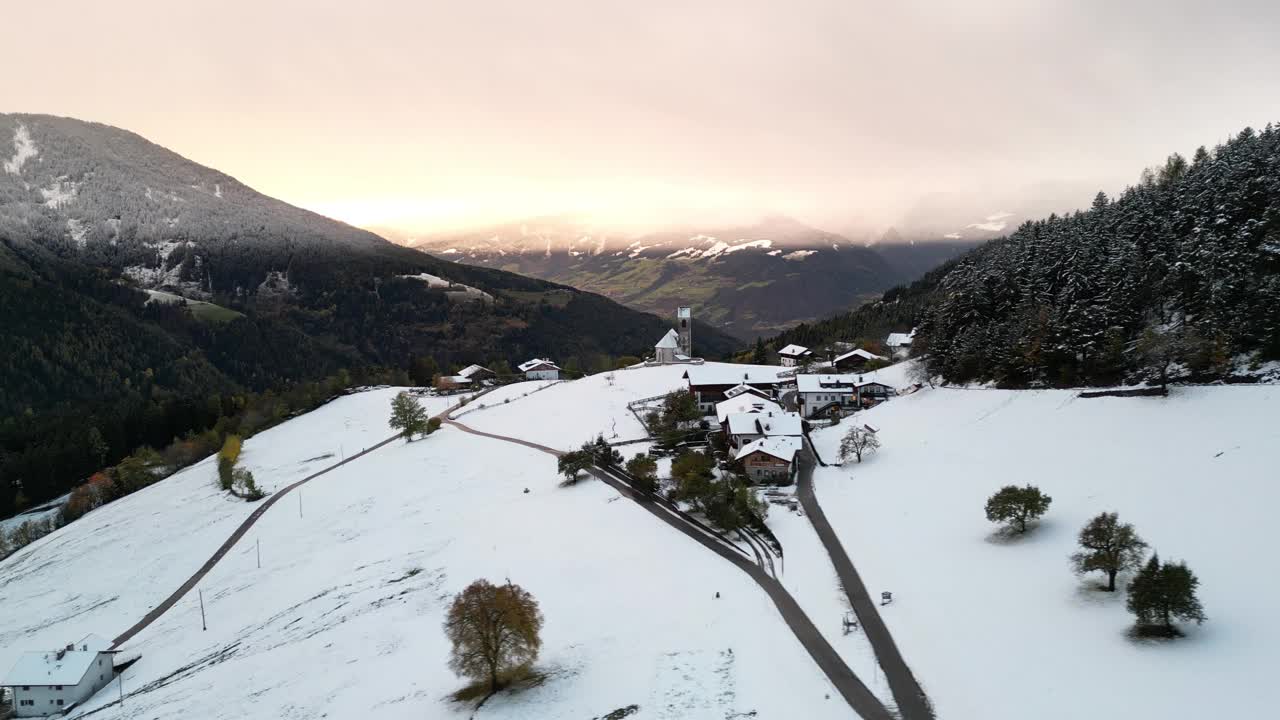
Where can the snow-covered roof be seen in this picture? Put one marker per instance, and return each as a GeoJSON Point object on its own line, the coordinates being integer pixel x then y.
{"type": "Point", "coordinates": [745, 404]}
{"type": "Point", "coordinates": [726, 374]}
{"type": "Point", "coordinates": [535, 363]}
{"type": "Point", "coordinates": [669, 341]}
{"type": "Point", "coordinates": [825, 383]}
{"type": "Point", "coordinates": [458, 379]}
{"type": "Point", "coordinates": [783, 447]}
{"type": "Point", "coordinates": [794, 351]}
{"type": "Point", "coordinates": [740, 388]}
{"type": "Point", "coordinates": [860, 353]}
{"type": "Point", "coordinates": [56, 667]}
{"type": "Point", "coordinates": [900, 339]}
{"type": "Point", "coordinates": [766, 423]}
{"type": "Point", "coordinates": [470, 370]}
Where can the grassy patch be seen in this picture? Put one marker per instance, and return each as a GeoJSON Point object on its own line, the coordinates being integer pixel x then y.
{"type": "Point", "coordinates": [554, 298]}
{"type": "Point", "coordinates": [209, 312]}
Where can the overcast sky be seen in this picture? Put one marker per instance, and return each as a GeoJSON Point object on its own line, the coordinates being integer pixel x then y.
{"type": "Point", "coordinates": [420, 113]}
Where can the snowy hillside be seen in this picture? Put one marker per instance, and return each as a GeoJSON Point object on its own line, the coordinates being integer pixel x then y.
{"type": "Point", "coordinates": [1005, 630]}
{"type": "Point", "coordinates": [344, 617]}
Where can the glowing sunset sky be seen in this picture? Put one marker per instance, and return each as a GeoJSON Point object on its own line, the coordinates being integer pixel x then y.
{"type": "Point", "coordinates": [421, 114]}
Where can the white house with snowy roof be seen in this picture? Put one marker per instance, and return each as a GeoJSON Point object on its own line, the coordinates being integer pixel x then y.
{"type": "Point", "coordinates": [794, 355]}
{"type": "Point", "coordinates": [900, 343]}
{"type": "Point", "coordinates": [540, 369]}
{"type": "Point", "coordinates": [744, 428]}
{"type": "Point", "coordinates": [770, 459]}
{"type": "Point", "coordinates": [745, 403]}
{"type": "Point", "coordinates": [820, 394]}
{"type": "Point", "coordinates": [50, 682]}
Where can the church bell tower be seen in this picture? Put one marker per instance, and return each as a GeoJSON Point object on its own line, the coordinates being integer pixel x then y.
{"type": "Point", "coordinates": [684, 326]}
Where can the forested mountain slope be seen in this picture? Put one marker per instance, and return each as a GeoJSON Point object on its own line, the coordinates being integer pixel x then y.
{"type": "Point", "coordinates": [89, 214]}
{"type": "Point", "coordinates": [1179, 273]}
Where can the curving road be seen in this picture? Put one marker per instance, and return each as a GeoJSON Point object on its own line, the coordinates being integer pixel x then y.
{"type": "Point", "coordinates": [239, 533]}
{"type": "Point", "coordinates": [861, 699]}
{"type": "Point", "coordinates": [912, 702]}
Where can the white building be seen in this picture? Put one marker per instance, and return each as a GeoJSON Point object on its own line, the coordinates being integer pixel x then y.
{"type": "Point", "coordinates": [747, 427]}
{"type": "Point", "coordinates": [819, 394]}
{"type": "Point", "coordinates": [48, 683]}
{"type": "Point", "coordinates": [794, 355]}
{"type": "Point", "coordinates": [900, 343]}
{"type": "Point", "coordinates": [668, 348]}
{"type": "Point", "coordinates": [540, 369]}
{"type": "Point", "coordinates": [745, 403]}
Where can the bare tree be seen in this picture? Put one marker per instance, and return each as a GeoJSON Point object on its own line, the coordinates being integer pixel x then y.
{"type": "Point", "coordinates": [857, 442]}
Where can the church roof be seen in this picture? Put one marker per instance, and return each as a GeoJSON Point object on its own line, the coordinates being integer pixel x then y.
{"type": "Point", "coordinates": [670, 340]}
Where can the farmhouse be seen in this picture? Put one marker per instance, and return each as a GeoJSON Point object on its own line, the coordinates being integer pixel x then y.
{"type": "Point", "coordinates": [710, 383]}
{"type": "Point", "coordinates": [794, 355]}
{"type": "Point", "coordinates": [48, 683]}
{"type": "Point", "coordinates": [855, 360]}
{"type": "Point", "coordinates": [477, 373]}
{"type": "Point", "coordinates": [900, 343]}
{"type": "Point", "coordinates": [820, 394]}
{"type": "Point", "coordinates": [539, 369]}
{"type": "Point", "coordinates": [743, 428]}
{"type": "Point", "coordinates": [770, 459]}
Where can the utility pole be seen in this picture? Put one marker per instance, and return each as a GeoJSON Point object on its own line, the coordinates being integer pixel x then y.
{"type": "Point", "coordinates": [203, 624]}
{"type": "Point", "coordinates": [299, 503]}
{"type": "Point", "coordinates": [258, 543]}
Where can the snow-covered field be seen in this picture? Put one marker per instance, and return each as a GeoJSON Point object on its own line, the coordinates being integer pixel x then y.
{"type": "Point", "coordinates": [1004, 630]}
{"type": "Point", "coordinates": [501, 395]}
{"type": "Point", "coordinates": [344, 617]}
{"type": "Point", "coordinates": [103, 572]}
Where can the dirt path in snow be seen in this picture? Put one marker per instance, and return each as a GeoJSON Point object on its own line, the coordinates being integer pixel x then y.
{"type": "Point", "coordinates": [861, 699]}
{"type": "Point", "coordinates": [239, 533]}
{"type": "Point", "coordinates": [912, 703]}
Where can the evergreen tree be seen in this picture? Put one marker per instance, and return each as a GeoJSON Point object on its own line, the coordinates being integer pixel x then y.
{"type": "Point", "coordinates": [1160, 594]}
{"type": "Point", "coordinates": [758, 355]}
{"type": "Point", "coordinates": [573, 462]}
{"type": "Point", "coordinates": [1016, 505]}
{"type": "Point", "coordinates": [408, 416]}
{"type": "Point", "coordinates": [1109, 546]}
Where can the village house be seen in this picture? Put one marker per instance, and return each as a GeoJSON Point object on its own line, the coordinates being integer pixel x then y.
{"type": "Point", "coordinates": [743, 428]}
{"type": "Point", "coordinates": [744, 399]}
{"type": "Point", "coordinates": [478, 374]}
{"type": "Point", "coordinates": [856, 360]}
{"type": "Point", "coordinates": [49, 683]}
{"type": "Point", "coordinates": [899, 344]}
{"type": "Point", "coordinates": [539, 369]}
{"type": "Point", "coordinates": [710, 383]}
{"type": "Point", "coordinates": [819, 395]}
{"type": "Point", "coordinates": [794, 355]}
{"type": "Point", "coordinates": [770, 459]}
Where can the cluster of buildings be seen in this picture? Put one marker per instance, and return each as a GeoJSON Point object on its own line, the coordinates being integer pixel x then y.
{"type": "Point", "coordinates": [763, 410]}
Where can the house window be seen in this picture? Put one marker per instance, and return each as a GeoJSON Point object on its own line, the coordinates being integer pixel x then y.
{"type": "Point", "coordinates": [26, 687]}
{"type": "Point", "coordinates": [57, 687]}
{"type": "Point", "coordinates": [59, 701]}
